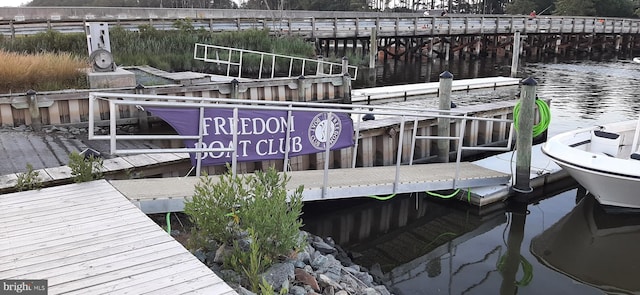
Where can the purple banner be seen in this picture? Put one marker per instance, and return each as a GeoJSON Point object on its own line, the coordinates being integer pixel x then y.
{"type": "Point", "coordinates": [261, 134]}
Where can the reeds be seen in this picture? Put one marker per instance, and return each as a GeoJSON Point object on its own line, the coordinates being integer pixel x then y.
{"type": "Point", "coordinates": [41, 72]}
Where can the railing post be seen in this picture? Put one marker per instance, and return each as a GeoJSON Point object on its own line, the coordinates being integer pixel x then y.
{"type": "Point", "coordinates": [34, 110]}
{"type": "Point", "coordinates": [444, 124]}
{"type": "Point", "coordinates": [525, 136]}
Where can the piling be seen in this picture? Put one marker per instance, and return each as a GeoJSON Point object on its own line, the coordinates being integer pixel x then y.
{"type": "Point", "coordinates": [516, 54]}
{"type": "Point", "coordinates": [510, 264]}
{"type": "Point", "coordinates": [444, 124]}
{"type": "Point", "coordinates": [373, 51]}
{"type": "Point", "coordinates": [34, 110]}
{"type": "Point", "coordinates": [524, 137]}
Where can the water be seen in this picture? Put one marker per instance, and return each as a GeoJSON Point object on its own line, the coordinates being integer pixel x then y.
{"type": "Point", "coordinates": [563, 243]}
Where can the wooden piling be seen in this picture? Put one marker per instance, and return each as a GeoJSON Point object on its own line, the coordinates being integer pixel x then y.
{"type": "Point", "coordinates": [444, 124]}
{"type": "Point", "coordinates": [525, 136]}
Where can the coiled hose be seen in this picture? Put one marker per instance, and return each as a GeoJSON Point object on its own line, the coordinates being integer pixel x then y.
{"type": "Point", "coordinates": [545, 116]}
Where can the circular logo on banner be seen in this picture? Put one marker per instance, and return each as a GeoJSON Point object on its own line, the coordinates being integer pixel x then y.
{"type": "Point", "coordinates": [323, 130]}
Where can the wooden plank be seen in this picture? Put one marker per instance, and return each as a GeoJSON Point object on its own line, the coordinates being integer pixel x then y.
{"type": "Point", "coordinates": [71, 256]}
{"type": "Point", "coordinates": [96, 229]}
{"type": "Point", "coordinates": [115, 164]}
{"type": "Point", "coordinates": [8, 180]}
{"type": "Point", "coordinates": [99, 262]}
{"type": "Point", "coordinates": [100, 243]}
{"type": "Point", "coordinates": [140, 160]}
{"type": "Point", "coordinates": [191, 281]}
{"type": "Point", "coordinates": [59, 173]}
{"type": "Point", "coordinates": [40, 197]}
{"type": "Point", "coordinates": [100, 282]}
{"type": "Point", "coordinates": [33, 225]}
{"type": "Point", "coordinates": [165, 157]}
{"type": "Point", "coordinates": [41, 250]}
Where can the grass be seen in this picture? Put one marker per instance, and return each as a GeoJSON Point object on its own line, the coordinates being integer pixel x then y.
{"type": "Point", "coordinates": [40, 71]}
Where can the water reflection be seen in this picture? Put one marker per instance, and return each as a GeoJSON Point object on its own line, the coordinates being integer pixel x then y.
{"type": "Point", "coordinates": [593, 247]}
{"type": "Point", "coordinates": [418, 245]}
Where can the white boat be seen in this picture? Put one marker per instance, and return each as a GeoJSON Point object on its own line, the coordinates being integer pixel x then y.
{"type": "Point", "coordinates": [603, 159]}
{"type": "Point", "coordinates": [636, 59]}
{"type": "Point", "coordinates": [593, 247]}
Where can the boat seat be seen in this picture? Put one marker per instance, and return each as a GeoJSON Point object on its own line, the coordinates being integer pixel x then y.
{"type": "Point", "coordinates": [605, 142]}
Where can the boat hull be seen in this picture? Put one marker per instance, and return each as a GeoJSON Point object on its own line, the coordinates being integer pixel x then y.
{"type": "Point", "coordinates": [612, 190]}
{"type": "Point", "coordinates": [601, 161]}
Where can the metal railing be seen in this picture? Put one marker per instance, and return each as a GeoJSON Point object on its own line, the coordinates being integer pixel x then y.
{"type": "Point", "coordinates": [115, 100]}
{"type": "Point", "coordinates": [270, 64]}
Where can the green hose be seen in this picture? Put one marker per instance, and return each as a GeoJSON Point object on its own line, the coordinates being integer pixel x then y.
{"type": "Point", "coordinates": [169, 222]}
{"type": "Point", "coordinates": [545, 117]}
{"type": "Point", "coordinates": [444, 196]}
{"type": "Point", "coordinates": [382, 198]}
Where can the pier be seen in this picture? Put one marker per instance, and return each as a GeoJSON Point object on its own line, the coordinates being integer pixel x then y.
{"type": "Point", "coordinates": [89, 239]}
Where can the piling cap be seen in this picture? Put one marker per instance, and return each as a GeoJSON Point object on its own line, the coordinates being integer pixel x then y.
{"type": "Point", "coordinates": [31, 92]}
{"type": "Point", "coordinates": [446, 75]}
{"type": "Point", "coordinates": [529, 81]}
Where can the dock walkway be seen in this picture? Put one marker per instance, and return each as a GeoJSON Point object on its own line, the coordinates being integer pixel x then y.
{"type": "Point", "coordinates": [88, 239]}
{"type": "Point", "coordinates": [158, 195]}
{"type": "Point", "coordinates": [413, 91]}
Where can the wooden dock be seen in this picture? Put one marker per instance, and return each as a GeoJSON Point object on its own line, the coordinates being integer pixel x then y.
{"type": "Point", "coordinates": [157, 195]}
{"type": "Point", "coordinates": [413, 91]}
{"type": "Point", "coordinates": [88, 239]}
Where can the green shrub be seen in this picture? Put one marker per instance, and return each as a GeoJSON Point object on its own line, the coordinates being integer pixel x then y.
{"type": "Point", "coordinates": [29, 180]}
{"type": "Point", "coordinates": [83, 168]}
{"type": "Point", "coordinates": [256, 205]}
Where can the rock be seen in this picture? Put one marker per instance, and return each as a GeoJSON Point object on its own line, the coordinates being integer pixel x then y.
{"type": "Point", "coordinates": [382, 290]}
{"type": "Point", "coordinates": [323, 247]}
{"type": "Point", "coordinates": [221, 253]}
{"type": "Point", "coordinates": [242, 291]}
{"type": "Point", "coordinates": [319, 261]}
{"type": "Point", "coordinates": [325, 281]}
{"type": "Point", "coordinates": [279, 274]}
{"type": "Point", "coordinates": [306, 279]}
{"type": "Point", "coordinates": [297, 290]}
{"type": "Point", "coordinates": [200, 255]}
{"type": "Point", "coordinates": [313, 271]}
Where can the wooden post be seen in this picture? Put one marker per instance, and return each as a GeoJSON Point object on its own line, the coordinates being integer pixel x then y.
{"type": "Point", "coordinates": [302, 89]}
{"type": "Point", "coordinates": [34, 110]}
{"type": "Point", "coordinates": [346, 88]}
{"type": "Point", "coordinates": [444, 124]}
{"type": "Point", "coordinates": [525, 136]}
{"type": "Point", "coordinates": [320, 67]}
{"type": "Point", "coordinates": [515, 54]}
{"type": "Point", "coordinates": [512, 257]}
{"type": "Point", "coordinates": [234, 88]}
{"type": "Point", "coordinates": [345, 65]}
{"type": "Point", "coordinates": [373, 50]}
{"type": "Point", "coordinates": [143, 116]}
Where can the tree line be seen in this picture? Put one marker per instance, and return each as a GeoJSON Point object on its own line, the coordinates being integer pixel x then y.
{"type": "Point", "coordinates": [604, 8]}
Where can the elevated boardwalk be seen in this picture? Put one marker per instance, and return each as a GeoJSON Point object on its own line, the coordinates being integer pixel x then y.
{"type": "Point", "coordinates": [156, 195]}
{"type": "Point", "coordinates": [88, 239]}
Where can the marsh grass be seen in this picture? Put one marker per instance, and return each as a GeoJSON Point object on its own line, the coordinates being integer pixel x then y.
{"type": "Point", "coordinates": [49, 60]}
{"type": "Point", "coordinates": [41, 71]}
